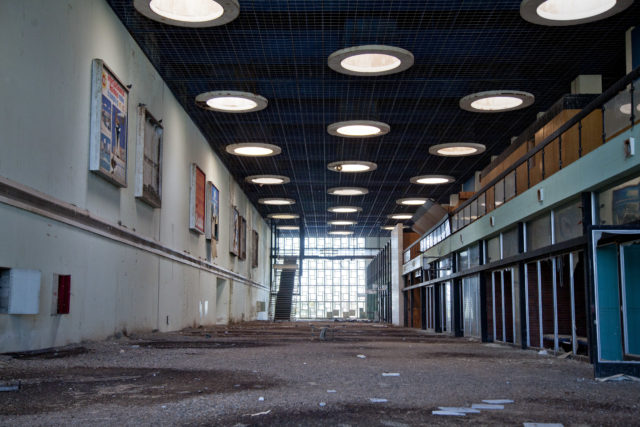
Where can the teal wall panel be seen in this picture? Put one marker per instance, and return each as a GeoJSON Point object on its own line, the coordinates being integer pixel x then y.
{"type": "Point", "coordinates": [632, 297]}
{"type": "Point", "coordinates": [609, 303]}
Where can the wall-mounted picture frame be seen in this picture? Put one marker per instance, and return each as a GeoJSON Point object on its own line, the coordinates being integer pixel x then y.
{"type": "Point", "coordinates": [255, 240]}
{"type": "Point", "coordinates": [234, 246]}
{"type": "Point", "coordinates": [213, 212]}
{"type": "Point", "coordinates": [243, 238]}
{"type": "Point", "coordinates": [109, 124]}
{"type": "Point", "coordinates": [197, 197]}
{"type": "Point", "coordinates": [149, 134]}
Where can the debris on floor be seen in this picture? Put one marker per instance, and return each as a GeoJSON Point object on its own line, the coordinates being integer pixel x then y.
{"type": "Point", "coordinates": [361, 356]}
{"type": "Point", "coordinates": [449, 413]}
{"type": "Point", "coordinates": [618, 377]}
{"type": "Point", "coordinates": [377, 400]}
{"type": "Point", "coordinates": [322, 404]}
{"type": "Point", "coordinates": [459, 409]}
{"type": "Point", "coordinates": [497, 401]}
{"type": "Point", "coordinates": [487, 406]}
{"type": "Point", "coordinates": [331, 391]}
{"type": "Point", "coordinates": [542, 425]}
{"type": "Point", "coordinates": [260, 413]}
{"type": "Point", "coordinates": [9, 387]}
{"type": "Point", "coordinates": [543, 353]}
{"type": "Point", "coordinates": [390, 374]}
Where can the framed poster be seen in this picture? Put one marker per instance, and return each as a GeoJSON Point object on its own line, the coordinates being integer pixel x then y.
{"type": "Point", "coordinates": [148, 158]}
{"type": "Point", "coordinates": [255, 240]}
{"type": "Point", "coordinates": [234, 246]}
{"type": "Point", "coordinates": [197, 199]}
{"type": "Point", "coordinates": [243, 238]}
{"type": "Point", "coordinates": [109, 124]}
{"type": "Point", "coordinates": [213, 212]}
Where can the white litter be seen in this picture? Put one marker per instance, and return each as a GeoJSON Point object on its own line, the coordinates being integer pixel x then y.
{"type": "Point", "coordinates": [261, 399]}
{"type": "Point", "coordinates": [377, 400]}
{"type": "Point", "coordinates": [543, 353]}
{"type": "Point", "coordinates": [390, 374]}
{"type": "Point", "coordinates": [361, 356]}
{"type": "Point", "coordinates": [261, 413]}
{"type": "Point", "coordinates": [456, 409]}
{"type": "Point", "coordinates": [542, 425]}
{"type": "Point", "coordinates": [618, 377]}
{"type": "Point", "coordinates": [486, 406]}
{"type": "Point", "coordinates": [498, 401]}
{"type": "Point", "coordinates": [449, 413]}
{"type": "Point", "coordinates": [322, 404]}
{"type": "Point", "coordinates": [331, 391]}
{"type": "Point", "coordinates": [164, 406]}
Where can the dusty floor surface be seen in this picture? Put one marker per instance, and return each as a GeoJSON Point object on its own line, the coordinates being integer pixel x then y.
{"type": "Point", "coordinates": [282, 374]}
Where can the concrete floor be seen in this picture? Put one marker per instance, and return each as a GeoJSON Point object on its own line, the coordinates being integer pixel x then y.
{"type": "Point", "coordinates": [282, 374]}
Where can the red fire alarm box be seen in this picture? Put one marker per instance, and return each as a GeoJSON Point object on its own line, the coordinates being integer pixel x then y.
{"type": "Point", "coordinates": [64, 293]}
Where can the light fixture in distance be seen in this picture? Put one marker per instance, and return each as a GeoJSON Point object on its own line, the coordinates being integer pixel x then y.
{"type": "Point", "coordinates": [342, 222]}
{"type": "Point", "coordinates": [358, 129]}
{"type": "Point", "coordinates": [348, 191]}
{"type": "Point", "coordinates": [457, 149]}
{"type": "Point", "coordinates": [267, 179]}
{"type": "Point", "coordinates": [570, 12]}
{"type": "Point", "coordinates": [626, 108]}
{"type": "Point", "coordinates": [283, 216]}
{"type": "Point", "coordinates": [412, 201]}
{"type": "Point", "coordinates": [370, 60]}
{"type": "Point", "coordinates": [253, 149]}
{"type": "Point", "coordinates": [352, 166]}
{"type": "Point", "coordinates": [496, 101]}
{"type": "Point", "coordinates": [400, 216]}
{"type": "Point", "coordinates": [391, 227]}
{"type": "Point", "coordinates": [344, 209]}
{"type": "Point", "coordinates": [231, 101]}
{"type": "Point", "coordinates": [432, 179]}
{"type": "Point", "coordinates": [189, 13]}
{"type": "Point", "coordinates": [276, 201]}
{"type": "Point", "coordinates": [341, 232]}
{"type": "Point", "coordinates": [288, 227]}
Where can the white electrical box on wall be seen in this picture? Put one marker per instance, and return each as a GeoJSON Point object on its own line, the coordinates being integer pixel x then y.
{"type": "Point", "coordinates": [19, 291]}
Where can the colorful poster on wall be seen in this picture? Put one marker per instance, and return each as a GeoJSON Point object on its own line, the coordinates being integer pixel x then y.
{"type": "Point", "coordinates": [197, 198]}
{"type": "Point", "coordinates": [109, 124]}
{"type": "Point", "coordinates": [213, 212]}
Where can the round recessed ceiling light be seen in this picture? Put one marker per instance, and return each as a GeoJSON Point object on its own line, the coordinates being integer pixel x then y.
{"type": "Point", "coordinates": [456, 149]}
{"type": "Point", "coordinates": [412, 201]}
{"type": "Point", "coordinates": [288, 227]}
{"type": "Point", "coordinates": [358, 129]}
{"type": "Point", "coordinates": [344, 209]}
{"type": "Point", "coordinates": [370, 60]}
{"type": "Point", "coordinates": [283, 216]}
{"type": "Point", "coordinates": [267, 179]}
{"type": "Point", "coordinates": [432, 179]}
{"type": "Point", "coordinates": [189, 13]}
{"type": "Point", "coordinates": [391, 227]}
{"type": "Point", "coordinates": [253, 149]}
{"type": "Point", "coordinates": [342, 222]}
{"type": "Point", "coordinates": [400, 216]}
{"type": "Point", "coordinates": [347, 191]}
{"type": "Point", "coordinates": [276, 201]}
{"type": "Point", "coordinates": [626, 108]}
{"type": "Point", "coordinates": [231, 101]}
{"type": "Point", "coordinates": [341, 232]}
{"type": "Point", "coordinates": [495, 101]}
{"type": "Point", "coordinates": [570, 12]}
{"type": "Point", "coordinates": [352, 166]}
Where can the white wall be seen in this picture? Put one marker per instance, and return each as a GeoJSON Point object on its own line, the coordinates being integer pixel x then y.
{"type": "Point", "coordinates": [47, 50]}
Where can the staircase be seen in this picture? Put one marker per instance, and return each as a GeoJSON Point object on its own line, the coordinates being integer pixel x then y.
{"type": "Point", "coordinates": [285, 295]}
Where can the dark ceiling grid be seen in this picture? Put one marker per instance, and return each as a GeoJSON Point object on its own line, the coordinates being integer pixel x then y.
{"type": "Point", "coordinates": [279, 49]}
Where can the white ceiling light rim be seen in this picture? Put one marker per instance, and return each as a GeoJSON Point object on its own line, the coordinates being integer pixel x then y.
{"type": "Point", "coordinates": [283, 215]}
{"type": "Point", "coordinates": [345, 209]}
{"type": "Point", "coordinates": [391, 227]}
{"type": "Point", "coordinates": [342, 222]}
{"type": "Point", "coordinates": [400, 216]}
{"type": "Point", "coordinates": [333, 166]}
{"type": "Point", "coordinates": [527, 99]}
{"type": "Point", "coordinates": [231, 10]}
{"type": "Point", "coordinates": [260, 101]}
{"type": "Point", "coordinates": [435, 149]}
{"type": "Point", "coordinates": [383, 128]}
{"type": "Point", "coordinates": [404, 57]}
{"type": "Point", "coordinates": [405, 201]}
{"type": "Point", "coordinates": [361, 191]}
{"type": "Point", "coordinates": [446, 179]}
{"type": "Point", "coordinates": [341, 232]}
{"type": "Point", "coordinates": [232, 147]}
{"type": "Point", "coordinates": [288, 227]}
{"type": "Point", "coordinates": [284, 179]}
{"type": "Point", "coordinates": [529, 12]}
{"type": "Point", "coordinates": [277, 201]}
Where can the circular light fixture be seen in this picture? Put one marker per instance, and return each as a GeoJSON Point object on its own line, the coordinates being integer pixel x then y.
{"type": "Point", "coordinates": [457, 149]}
{"type": "Point", "coordinates": [391, 227]}
{"type": "Point", "coordinates": [570, 12]}
{"type": "Point", "coordinates": [283, 216]}
{"type": "Point", "coordinates": [352, 166]}
{"type": "Point", "coordinates": [626, 108]}
{"type": "Point", "coordinates": [267, 179]}
{"type": "Point", "coordinates": [358, 129]}
{"type": "Point", "coordinates": [231, 101]}
{"type": "Point", "coordinates": [412, 201]}
{"type": "Point", "coordinates": [400, 216]}
{"type": "Point", "coordinates": [348, 191]}
{"type": "Point", "coordinates": [276, 201]}
{"type": "Point", "coordinates": [342, 222]}
{"type": "Point", "coordinates": [494, 101]}
{"type": "Point", "coordinates": [370, 60]}
{"type": "Point", "coordinates": [253, 149]}
{"type": "Point", "coordinates": [344, 209]}
{"type": "Point", "coordinates": [341, 232]}
{"type": "Point", "coordinates": [189, 13]}
{"type": "Point", "coordinates": [432, 179]}
{"type": "Point", "coordinates": [288, 227]}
